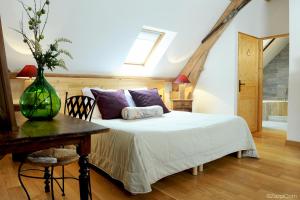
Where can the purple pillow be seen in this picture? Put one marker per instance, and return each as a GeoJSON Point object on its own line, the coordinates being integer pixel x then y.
{"type": "Point", "coordinates": [143, 98]}
{"type": "Point", "coordinates": [110, 103]}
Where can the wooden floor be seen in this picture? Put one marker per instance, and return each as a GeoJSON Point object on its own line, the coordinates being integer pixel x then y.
{"type": "Point", "coordinates": [277, 172]}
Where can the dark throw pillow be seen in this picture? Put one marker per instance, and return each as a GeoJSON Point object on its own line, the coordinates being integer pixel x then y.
{"type": "Point", "coordinates": [110, 103]}
{"type": "Point", "coordinates": [149, 97]}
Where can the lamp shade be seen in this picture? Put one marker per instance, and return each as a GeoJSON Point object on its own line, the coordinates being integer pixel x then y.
{"type": "Point", "coordinates": [182, 79]}
{"type": "Point", "coordinates": [28, 71]}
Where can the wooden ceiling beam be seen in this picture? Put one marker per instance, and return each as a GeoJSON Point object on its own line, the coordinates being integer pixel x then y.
{"type": "Point", "coordinates": [197, 61]}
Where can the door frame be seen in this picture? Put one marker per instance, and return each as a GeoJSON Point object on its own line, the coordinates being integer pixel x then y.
{"type": "Point", "coordinates": [261, 85]}
{"type": "Point", "coordinates": [260, 78]}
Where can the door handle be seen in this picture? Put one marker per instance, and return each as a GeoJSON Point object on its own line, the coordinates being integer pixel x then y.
{"type": "Point", "coordinates": [240, 84]}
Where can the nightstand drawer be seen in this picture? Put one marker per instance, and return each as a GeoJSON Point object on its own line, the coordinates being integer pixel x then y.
{"type": "Point", "coordinates": [182, 105]}
{"type": "Point", "coordinates": [183, 109]}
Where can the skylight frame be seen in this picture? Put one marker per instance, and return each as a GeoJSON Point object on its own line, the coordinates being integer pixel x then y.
{"type": "Point", "coordinates": [157, 42]}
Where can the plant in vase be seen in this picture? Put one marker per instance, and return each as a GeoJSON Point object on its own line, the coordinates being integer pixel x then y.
{"type": "Point", "coordinates": [40, 100]}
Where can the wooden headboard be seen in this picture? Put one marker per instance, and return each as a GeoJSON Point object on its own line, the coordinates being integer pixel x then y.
{"type": "Point", "coordinates": [73, 84]}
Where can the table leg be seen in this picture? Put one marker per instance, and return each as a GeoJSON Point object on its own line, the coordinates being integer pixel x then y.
{"type": "Point", "coordinates": [47, 177]}
{"type": "Point", "coordinates": [84, 177]}
{"type": "Point", "coordinates": [83, 149]}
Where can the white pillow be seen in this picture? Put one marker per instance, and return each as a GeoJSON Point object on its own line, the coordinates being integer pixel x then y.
{"type": "Point", "coordinates": [130, 113]}
{"type": "Point", "coordinates": [87, 92]}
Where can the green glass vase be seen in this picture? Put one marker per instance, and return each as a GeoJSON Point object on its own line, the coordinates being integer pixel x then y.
{"type": "Point", "coordinates": [40, 101]}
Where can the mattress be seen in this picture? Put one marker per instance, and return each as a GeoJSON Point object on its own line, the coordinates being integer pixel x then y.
{"type": "Point", "coordinates": [140, 152]}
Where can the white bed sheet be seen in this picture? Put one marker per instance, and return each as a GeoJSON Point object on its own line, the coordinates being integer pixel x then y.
{"type": "Point", "coordinates": [140, 152]}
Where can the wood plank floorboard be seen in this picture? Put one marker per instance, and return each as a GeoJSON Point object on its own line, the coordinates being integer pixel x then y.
{"type": "Point", "coordinates": [277, 172]}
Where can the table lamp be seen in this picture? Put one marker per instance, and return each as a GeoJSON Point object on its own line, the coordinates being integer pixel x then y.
{"type": "Point", "coordinates": [182, 80]}
{"type": "Point", "coordinates": [28, 72]}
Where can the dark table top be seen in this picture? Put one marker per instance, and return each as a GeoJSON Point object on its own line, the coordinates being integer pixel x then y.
{"type": "Point", "coordinates": [61, 126]}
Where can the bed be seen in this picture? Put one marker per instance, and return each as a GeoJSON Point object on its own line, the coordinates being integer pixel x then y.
{"type": "Point", "coordinates": [140, 152]}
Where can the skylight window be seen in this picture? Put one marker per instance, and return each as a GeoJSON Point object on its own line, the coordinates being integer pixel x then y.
{"type": "Point", "coordinates": [143, 47]}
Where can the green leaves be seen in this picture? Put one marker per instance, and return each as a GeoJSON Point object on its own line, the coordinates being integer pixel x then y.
{"type": "Point", "coordinates": [37, 20]}
{"type": "Point", "coordinates": [66, 53]}
{"type": "Point", "coordinates": [61, 40]}
{"type": "Point", "coordinates": [53, 56]}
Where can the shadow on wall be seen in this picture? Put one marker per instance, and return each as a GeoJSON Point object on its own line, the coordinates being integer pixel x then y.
{"type": "Point", "coordinates": [207, 99]}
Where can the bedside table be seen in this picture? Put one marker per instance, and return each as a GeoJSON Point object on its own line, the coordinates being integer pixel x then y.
{"type": "Point", "coordinates": [182, 104]}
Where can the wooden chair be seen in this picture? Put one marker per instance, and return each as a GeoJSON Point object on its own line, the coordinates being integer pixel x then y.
{"type": "Point", "coordinates": [81, 107]}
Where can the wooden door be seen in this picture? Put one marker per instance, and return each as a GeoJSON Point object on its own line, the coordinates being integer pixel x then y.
{"type": "Point", "coordinates": [249, 59]}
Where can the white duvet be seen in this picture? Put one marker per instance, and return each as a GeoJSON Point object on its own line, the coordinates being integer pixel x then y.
{"type": "Point", "coordinates": [140, 152]}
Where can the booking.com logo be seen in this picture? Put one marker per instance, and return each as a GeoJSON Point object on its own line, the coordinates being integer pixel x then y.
{"type": "Point", "coordinates": [281, 196]}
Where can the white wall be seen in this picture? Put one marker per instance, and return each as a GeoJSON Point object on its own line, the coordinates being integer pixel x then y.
{"type": "Point", "coordinates": [294, 75]}
{"type": "Point", "coordinates": [216, 90]}
{"type": "Point", "coordinates": [103, 32]}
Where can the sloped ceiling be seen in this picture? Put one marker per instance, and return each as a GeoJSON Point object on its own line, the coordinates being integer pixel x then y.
{"type": "Point", "coordinates": [103, 32]}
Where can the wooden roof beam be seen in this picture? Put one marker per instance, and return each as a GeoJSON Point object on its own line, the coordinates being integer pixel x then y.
{"type": "Point", "coordinates": [197, 61]}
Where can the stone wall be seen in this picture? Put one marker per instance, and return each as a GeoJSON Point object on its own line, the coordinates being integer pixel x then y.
{"type": "Point", "coordinates": [276, 76]}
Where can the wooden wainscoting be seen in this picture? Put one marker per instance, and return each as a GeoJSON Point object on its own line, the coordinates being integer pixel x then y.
{"type": "Point", "coordinates": [74, 84]}
{"type": "Point", "coordinates": [274, 108]}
